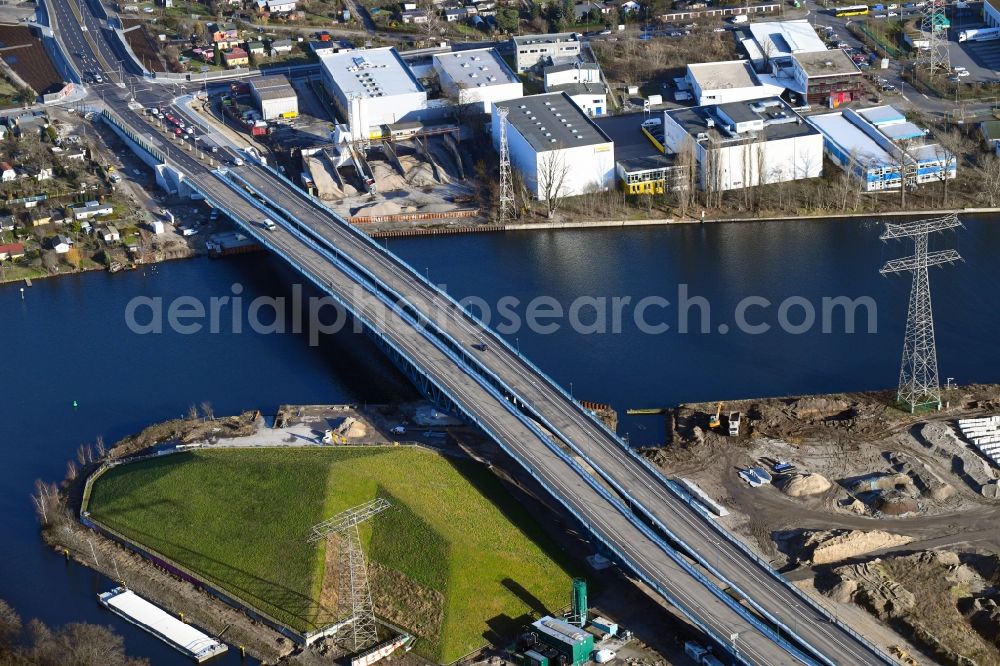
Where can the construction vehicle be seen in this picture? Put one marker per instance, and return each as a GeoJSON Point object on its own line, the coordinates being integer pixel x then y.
{"type": "Point", "coordinates": [734, 424]}
{"type": "Point", "coordinates": [714, 421]}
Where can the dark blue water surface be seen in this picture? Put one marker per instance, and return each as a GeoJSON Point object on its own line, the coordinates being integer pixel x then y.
{"type": "Point", "coordinates": [67, 340]}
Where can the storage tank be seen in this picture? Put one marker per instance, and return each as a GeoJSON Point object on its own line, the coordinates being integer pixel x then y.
{"type": "Point", "coordinates": [579, 602]}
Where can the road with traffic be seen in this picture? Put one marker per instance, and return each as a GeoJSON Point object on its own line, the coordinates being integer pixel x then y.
{"type": "Point", "coordinates": [500, 390]}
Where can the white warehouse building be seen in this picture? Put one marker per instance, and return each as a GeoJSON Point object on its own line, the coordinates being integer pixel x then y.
{"type": "Point", "coordinates": [744, 144]}
{"type": "Point", "coordinates": [479, 77]}
{"type": "Point", "coordinates": [554, 145]}
{"type": "Point", "coordinates": [372, 87]}
{"type": "Point", "coordinates": [275, 96]}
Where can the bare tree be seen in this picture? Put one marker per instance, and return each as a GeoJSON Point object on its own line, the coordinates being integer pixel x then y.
{"type": "Point", "coordinates": [552, 172]}
{"type": "Point", "coordinates": [433, 25]}
{"type": "Point", "coordinates": [192, 413]}
{"type": "Point", "coordinates": [207, 411]}
{"type": "Point", "coordinates": [99, 446]}
{"type": "Point", "coordinates": [989, 169]}
{"type": "Point", "coordinates": [10, 625]}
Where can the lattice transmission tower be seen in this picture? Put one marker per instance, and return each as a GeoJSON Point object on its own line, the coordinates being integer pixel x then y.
{"type": "Point", "coordinates": [918, 374]}
{"type": "Point", "coordinates": [506, 212]}
{"type": "Point", "coordinates": [934, 59]}
{"type": "Point", "coordinates": [354, 594]}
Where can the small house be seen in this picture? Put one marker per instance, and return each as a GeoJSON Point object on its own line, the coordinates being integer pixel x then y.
{"type": "Point", "coordinates": [109, 234]}
{"type": "Point", "coordinates": [415, 16]}
{"type": "Point", "coordinates": [236, 57]}
{"type": "Point", "coordinates": [61, 244]}
{"type": "Point", "coordinates": [11, 251]}
{"type": "Point", "coordinates": [7, 173]}
{"type": "Point", "coordinates": [281, 46]}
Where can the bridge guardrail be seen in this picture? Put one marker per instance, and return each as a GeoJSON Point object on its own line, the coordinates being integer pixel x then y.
{"type": "Point", "coordinates": [670, 485]}
{"type": "Point", "coordinates": [637, 568]}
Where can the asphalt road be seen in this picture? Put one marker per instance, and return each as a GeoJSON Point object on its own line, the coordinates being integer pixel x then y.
{"type": "Point", "coordinates": [533, 395]}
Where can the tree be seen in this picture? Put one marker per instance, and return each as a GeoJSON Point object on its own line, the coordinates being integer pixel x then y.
{"type": "Point", "coordinates": [552, 172]}
{"type": "Point", "coordinates": [10, 626]}
{"type": "Point", "coordinates": [989, 169]}
{"type": "Point", "coordinates": [508, 19]}
{"type": "Point", "coordinates": [74, 258]}
{"type": "Point", "coordinates": [218, 57]}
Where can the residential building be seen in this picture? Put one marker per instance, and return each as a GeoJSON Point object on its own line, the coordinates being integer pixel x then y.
{"type": "Point", "coordinates": [280, 6]}
{"type": "Point", "coordinates": [745, 144]}
{"type": "Point", "coordinates": [459, 14]}
{"type": "Point", "coordinates": [11, 251]}
{"type": "Point", "coordinates": [592, 98]}
{"type": "Point", "coordinates": [275, 97]}
{"type": "Point", "coordinates": [7, 223]}
{"type": "Point", "coordinates": [90, 209]}
{"type": "Point", "coordinates": [556, 147]}
{"type": "Point", "coordinates": [281, 47]}
{"type": "Point", "coordinates": [43, 173]}
{"type": "Point", "coordinates": [372, 87]}
{"type": "Point", "coordinates": [727, 82]}
{"type": "Point", "coordinates": [990, 131]}
{"type": "Point", "coordinates": [7, 172]}
{"type": "Point", "coordinates": [36, 218]}
{"type": "Point", "coordinates": [236, 57]}
{"type": "Point", "coordinates": [109, 234]}
{"type": "Point", "coordinates": [883, 149]}
{"type": "Point", "coordinates": [573, 71]}
{"type": "Point", "coordinates": [583, 10]}
{"type": "Point", "coordinates": [61, 244]}
{"type": "Point", "coordinates": [415, 16]}
{"type": "Point", "coordinates": [477, 77]}
{"type": "Point", "coordinates": [255, 48]}
{"type": "Point", "coordinates": [225, 36]}
{"type": "Point", "coordinates": [530, 50]}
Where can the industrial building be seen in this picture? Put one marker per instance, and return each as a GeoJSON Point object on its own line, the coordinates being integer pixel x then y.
{"type": "Point", "coordinates": [826, 77]}
{"type": "Point", "coordinates": [570, 72]}
{"type": "Point", "coordinates": [478, 77]}
{"type": "Point", "coordinates": [372, 87]}
{"type": "Point", "coordinates": [656, 174]}
{"type": "Point", "coordinates": [555, 146]}
{"type": "Point", "coordinates": [592, 98]}
{"type": "Point", "coordinates": [530, 50]}
{"type": "Point", "coordinates": [773, 39]}
{"type": "Point", "coordinates": [726, 82]}
{"type": "Point", "coordinates": [991, 13]}
{"type": "Point", "coordinates": [882, 148]}
{"type": "Point", "coordinates": [275, 97]}
{"type": "Point", "coordinates": [573, 645]}
{"type": "Point", "coordinates": [744, 144]}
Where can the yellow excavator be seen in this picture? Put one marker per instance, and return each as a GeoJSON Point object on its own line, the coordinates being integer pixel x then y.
{"type": "Point", "coordinates": [714, 421]}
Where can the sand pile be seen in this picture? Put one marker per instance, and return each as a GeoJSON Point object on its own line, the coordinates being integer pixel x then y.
{"type": "Point", "coordinates": [834, 545]}
{"type": "Point", "coordinates": [802, 485]}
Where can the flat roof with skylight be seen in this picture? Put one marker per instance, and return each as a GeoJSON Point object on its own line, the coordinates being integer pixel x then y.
{"type": "Point", "coordinates": [828, 62]}
{"type": "Point", "coordinates": [370, 72]}
{"type": "Point", "coordinates": [476, 68]}
{"type": "Point", "coordinates": [722, 75]}
{"type": "Point", "coordinates": [777, 38]}
{"type": "Point", "coordinates": [552, 121]}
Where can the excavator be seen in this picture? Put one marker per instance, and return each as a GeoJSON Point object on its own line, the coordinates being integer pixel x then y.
{"type": "Point", "coordinates": [714, 421]}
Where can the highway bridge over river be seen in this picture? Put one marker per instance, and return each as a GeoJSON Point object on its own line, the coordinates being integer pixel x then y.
{"type": "Point", "coordinates": [650, 525]}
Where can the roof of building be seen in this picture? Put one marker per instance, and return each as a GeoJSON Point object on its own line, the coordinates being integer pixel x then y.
{"type": "Point", "coordinates": [272, 87]}
{"type": "Point", "coordinates": [581, 88]}
{"type": "Point", "coordinates": [561, 631]}
{"type": "Point", "coordinates": [638, 165]}
{"type": "Point", "coordinates": [370, 72]}
{"type": "Point", "coordinates": [723, 75]}
{"type": "Point", "coordinates": [551, 121]}
{"type": "Point", "coordinates": [990, 129]}
{"type": "Point", "coordinates": [557, 37]}
{"type": "Point", "coordinates": [569, 66]}
{"type": "Point", "coordinates": [12, 248]}
{"type": "Point", "coordinates": [281, 43]}
{"type": "Point", "coordinates": [929, 152]}
{"type": "Point", "coordinates": [785, 37]}
{"type": "Point", "coordinates": [882, 115]}
{"type": "Point", "coordinates": [828, 62]}
{"type": "Point", "coordinates": [850, 139]}
{"type": "Point", "coordinates": [476, 68]}
{"type": "Point", "coordinates": [779, 120]}
{"type": "Point", "coordinates": [902, 131]}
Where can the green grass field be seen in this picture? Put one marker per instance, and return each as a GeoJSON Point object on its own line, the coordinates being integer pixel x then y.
{"type": "Point", "coordinates": [460, 546]}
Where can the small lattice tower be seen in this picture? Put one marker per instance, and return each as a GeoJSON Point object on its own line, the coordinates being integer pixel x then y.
{"type": "Point", "coordinates": [506, 212]}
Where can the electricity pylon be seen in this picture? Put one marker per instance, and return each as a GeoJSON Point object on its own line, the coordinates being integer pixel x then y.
{"type": "Point", "coordinates": [506, 212]}
{"type": "Point", "coordinates": [354, 589]}
{"type": "Point", "coordinates": [918, 374]}
{"type": "Point", "coordinates": [934, 58]}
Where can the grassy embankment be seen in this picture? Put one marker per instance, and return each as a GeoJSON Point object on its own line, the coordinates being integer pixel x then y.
{"type": "Point", "coordinates": [456, 560]}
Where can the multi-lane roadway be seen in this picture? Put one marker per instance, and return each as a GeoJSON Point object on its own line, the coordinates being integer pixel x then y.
{"type": "Point", "coordinates": [501, 391]}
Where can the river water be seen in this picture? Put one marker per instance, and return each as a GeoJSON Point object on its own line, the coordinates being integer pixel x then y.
{"type": "Point", "coordinates": [67, 340]}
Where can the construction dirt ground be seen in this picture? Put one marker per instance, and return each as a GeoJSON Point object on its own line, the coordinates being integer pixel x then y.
{"type": "Point", "coordinates": [888, 517]}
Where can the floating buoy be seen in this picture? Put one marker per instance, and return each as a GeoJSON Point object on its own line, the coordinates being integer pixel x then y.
{"type": "Point", "coordinates": [75, 404]}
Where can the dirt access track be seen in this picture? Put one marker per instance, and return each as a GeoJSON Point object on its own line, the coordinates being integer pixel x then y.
{"type": "Point", "coordinates": [860, 463]}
